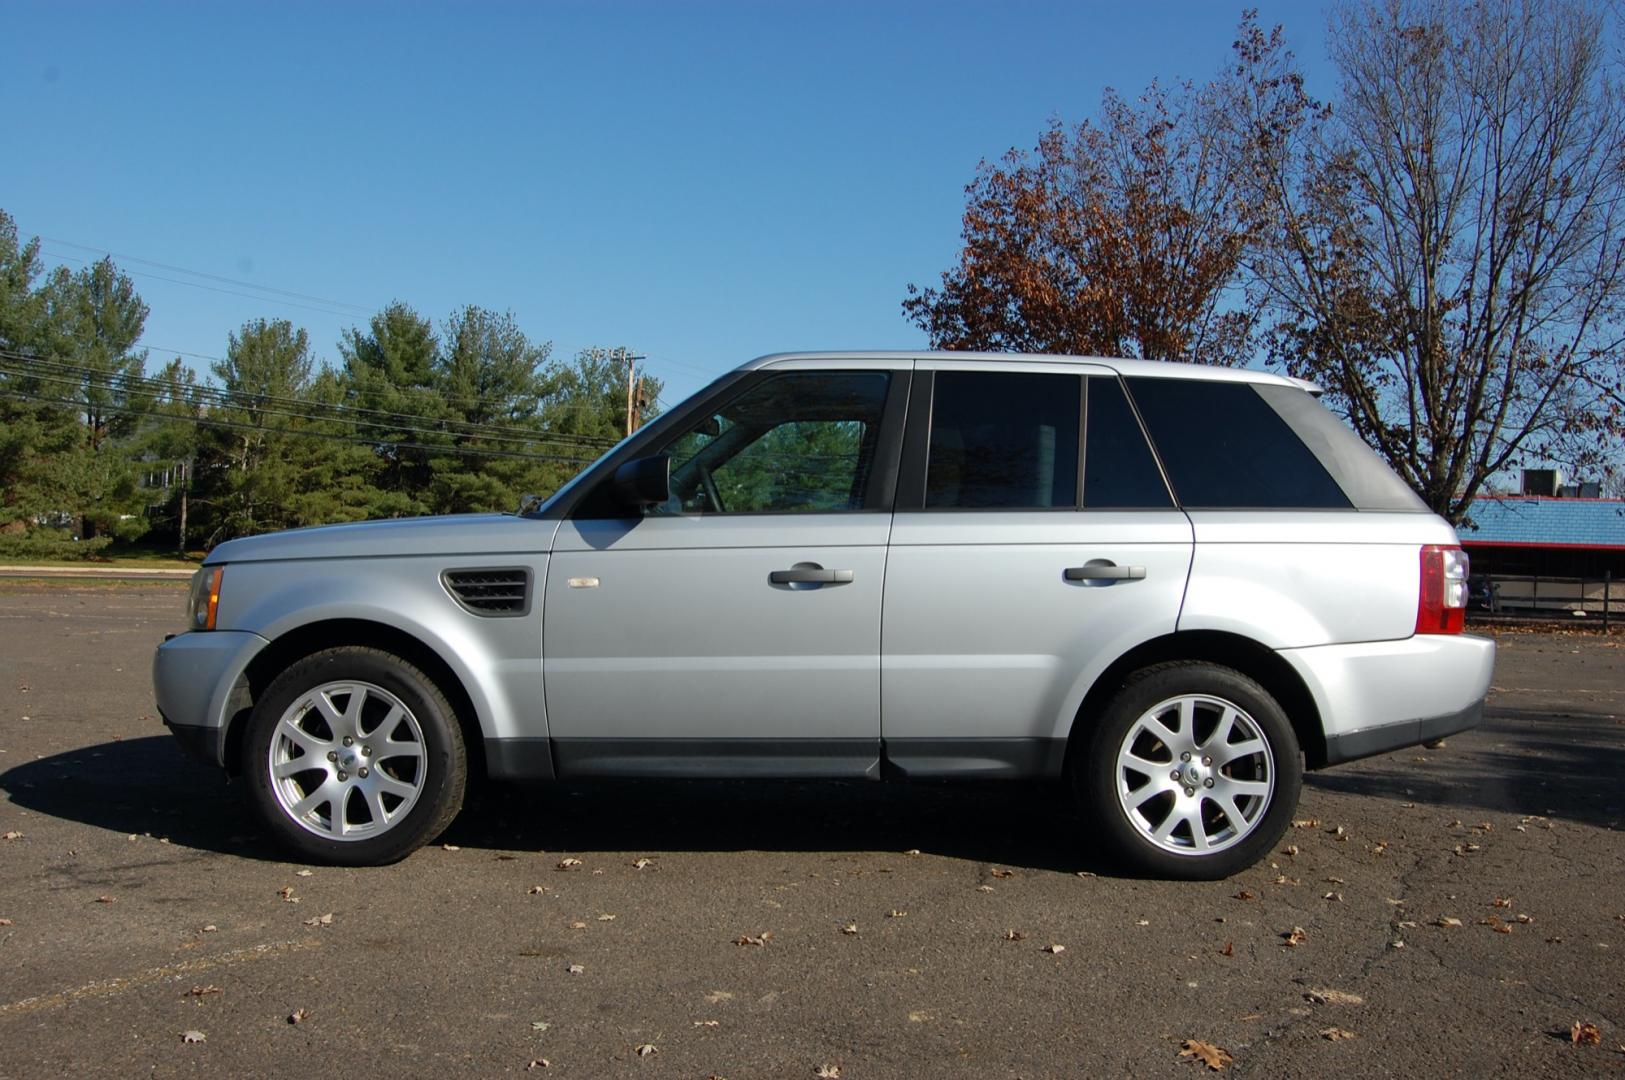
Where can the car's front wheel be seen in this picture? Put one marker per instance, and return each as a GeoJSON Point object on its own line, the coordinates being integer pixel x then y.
{"type": "Point", "coordinates": [353, 756]}
{"type": "Point", "coordinates": [1192, 771]}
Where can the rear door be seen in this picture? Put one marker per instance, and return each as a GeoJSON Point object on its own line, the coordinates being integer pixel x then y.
{"type": "Point", "coordinates": [1029, 550]}
{"type": "Point", "coordinates": [736, 629]}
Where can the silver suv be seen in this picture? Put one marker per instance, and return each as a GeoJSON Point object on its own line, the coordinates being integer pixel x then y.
{"type": "Point", "coordinates": [1174, 586]}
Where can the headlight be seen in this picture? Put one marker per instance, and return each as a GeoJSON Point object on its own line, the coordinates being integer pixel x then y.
{"type": "Point", "coordinates": [203, 602]}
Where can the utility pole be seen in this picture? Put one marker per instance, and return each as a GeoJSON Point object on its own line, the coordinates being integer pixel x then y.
{"type": "Point", "coordinates": [633, 387]}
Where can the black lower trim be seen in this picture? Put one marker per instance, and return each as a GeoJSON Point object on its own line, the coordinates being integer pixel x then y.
{"type": "Point", "coordinates": [206, 744]}
{"type": "Point", "coordinates": [975, 759]}
{"type": "Point", "coordinates": [755, 759]}
{"type": "Point", "coordinates": [518, 759]}
{"type": "Point", "coordinates": [1354, 745]}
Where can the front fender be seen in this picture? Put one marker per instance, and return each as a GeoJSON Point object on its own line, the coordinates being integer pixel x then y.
{"type": "Point", "coordinates": [497, 660]}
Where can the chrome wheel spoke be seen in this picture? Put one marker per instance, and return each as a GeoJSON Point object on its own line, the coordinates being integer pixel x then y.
{"type": "Point", "coordinates": [1208, 811]}
{"type": "Point", "coordinates": [295, 752]}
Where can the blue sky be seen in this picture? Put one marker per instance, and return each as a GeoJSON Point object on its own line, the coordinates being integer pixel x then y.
{"type": "Point", "coordinates": [700, 181]}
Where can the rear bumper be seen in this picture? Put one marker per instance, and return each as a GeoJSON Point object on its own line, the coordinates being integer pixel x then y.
{"type": "Point", "coordinates": [1383, 695]}
{"type": "Point", "coordinates": [195, 679]}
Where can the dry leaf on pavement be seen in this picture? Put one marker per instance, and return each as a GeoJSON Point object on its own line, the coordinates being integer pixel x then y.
{"type": "Point", "coordinates": [1584, 1034]}
{"type": "Point", "coordinates": [850, 928]}
{"type": "Point", "coordinates": [567, 863]}
{"type": "Point", "coordinates": [827, 1072]}
{"type": "Point", "coordinates": [1334, 997]}
{"type": "Point", "coordinates": [1055, 950]}
{"type": "Point", "coordinates": [1294, 937]}
{"type": "Point", "coordinates": [538, 1063]}
{"type": "Point", "coordinates": [646, 1049]}
{"type": "Point", "coordinates": [11, 834]}
{"type": "Point", "coordinates": [298, 1016]}
{"type": "Point", "coordinates": [321, 920]}
{"type": "Point", "coordinates": [760, 939]}
{"type": "Point", "coordinates": [1336, 1034]}
{"type": "Point", "coordinates": [193, 1037]}
{"type": "Point", "coordinates": [1214, 1057]}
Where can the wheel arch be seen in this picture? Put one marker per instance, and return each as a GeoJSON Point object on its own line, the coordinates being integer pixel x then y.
{"type": "Point", "coordinates": [1258, 662]}
{"type": "Point", "coordinates": [295, 644]}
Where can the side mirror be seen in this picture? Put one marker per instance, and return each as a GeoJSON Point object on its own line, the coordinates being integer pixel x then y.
{"type": "Point", "coordinates": [643, 481]}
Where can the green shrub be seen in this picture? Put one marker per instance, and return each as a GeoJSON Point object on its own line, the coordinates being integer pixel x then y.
{"type": "Point", "coordinates": [53, 544]}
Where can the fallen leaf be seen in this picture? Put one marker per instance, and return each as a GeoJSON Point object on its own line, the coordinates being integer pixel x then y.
{"type": "Point", "coordinates": [210, 929]}
{"type": "Point", "coordinates": [984, 888]}
{"type": "Point", "coordinates": [646, 1049]}
{"type": "Point", "coordinates": [1294, 937]}
{"type": "Point", "coordinates": [1334, 997]}
{"type": "Point", "coordinates": [321, 920]}
{"type": "Point", "coordinates": [1525, 919]}
{"type": "Point", "coordinates": [286, 893]}
{"type": "Point", "coordinates": [567, 863]}
{"type": "Point", "coordinates": [200, 991]}
{"type": "Point", "coordinates": [575, 969]}
{"type": "Point", "coordinates": [537, 890]}
{"type": "Point", "coordinates": [5, 922]}
{"type": "Point", "coordinates": [302, 873]}
{"type": "Point", "coordinates": [11, 834]}
{"type": "Point", "coordinates": [1306, 823]}
{"type": "Point", "coordinates": [540, 1025]}
{"type": "Point", "coordinates": [106, 899]}
{"type": "Point", "coordinates": [1284, 880]}
{"type": "Point", "coordinates": [708, 1023]}
{"type": "Point", "coordinates": [298, 1016]}
{"type": "Point", "coordinates": [896, 913]}
{"type": "Point", "coordinates": [1214, 1057]}
{"type": "Point", "coordinates": [1445, 920]}
{"type": "Point", "coordinates": [1055, 950]}
{"type": "Point", "coordinates": [998, 872]}
{"type": "Point", "coordinates": [912, 851]}
{"type": "Point", "coordinates": [1335, 881]}
{"type": "Point", "coordinates": [1229, 949]}
{"type": "Point", "coordinates": [827, 1072]}
{"type": "Point", "coordinates": [1584, 1034]}
{"type": "Point", "coordinates": [850, 928]}
{"type": "Point", "coordinates": [717, 997]}
{"type": "Point", "coordinates": [760, 939]}
{"type": "Point", "coordinates": [641, 863]}
{"type": "Point", "coordinates": [507, 858]}
{"type": "Point", "coordinates": [538, 1063]}
{"type": "Point", "coordinates": [1501, 901]}
{"type": "Point", "coordinates": [1014, 935]}
{"type": "Point", "coordinates": [1292, 850]}
{"type": "Point", "coordinates": [1244, 895]}
{"type": "Point", "coordinates": [919, 1016]}
{"type": "Point", "coordinates": [1333, 896]}
{"type": "Point", "coordinates": [606, 917]}
{"type": "Point", "coordinates": [450, 847]}
{"type": "Point", "coordinates": [1336, 1034]}
{"type": "Point", "coordinates": [578, 925]}
{"type": "Point", "coordinates": [193, 1037]}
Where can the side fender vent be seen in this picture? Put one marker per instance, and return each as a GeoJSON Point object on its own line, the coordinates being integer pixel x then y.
{"type": "Point", "coordinates": [492, 591]}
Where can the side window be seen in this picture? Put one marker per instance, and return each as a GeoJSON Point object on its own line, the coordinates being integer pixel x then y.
{"type": "Point", "coordinates": [1119, 472]}
{"type": "Point", "coordinates": [1224, 447]}
{"type": "Point", "coordinates": [1003, 441]}
{"type": "Point", "coordinates": [793, 443]}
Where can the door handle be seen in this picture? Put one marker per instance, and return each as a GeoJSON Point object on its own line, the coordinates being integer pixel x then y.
{"type": "Point", "coordinates": [810, 575]}
{"type": "Point", "coordinates": [1101, 570]}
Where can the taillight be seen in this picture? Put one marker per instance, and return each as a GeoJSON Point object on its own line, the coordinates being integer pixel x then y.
{"type": "Point", "coordinates": [1441, 606]}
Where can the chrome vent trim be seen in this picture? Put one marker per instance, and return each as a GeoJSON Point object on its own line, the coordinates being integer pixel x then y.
{"type": "Point", "coordinates": [491, 591]}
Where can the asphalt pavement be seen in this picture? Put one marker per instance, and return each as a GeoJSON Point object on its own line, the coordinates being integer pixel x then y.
{"type": "Point", "coordinates": [1434, 912]}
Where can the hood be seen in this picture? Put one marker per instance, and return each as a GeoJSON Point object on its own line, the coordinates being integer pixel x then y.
{"type": "Point", "coordinates": [453, 534]}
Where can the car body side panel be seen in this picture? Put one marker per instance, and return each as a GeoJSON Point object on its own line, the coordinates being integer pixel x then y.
{"type": "Point", "coordinates": [497, 660]}
{"type": "Point", "coordinates": [1292, 579]}
{"type": "Point", "coordinates": [984, 637]}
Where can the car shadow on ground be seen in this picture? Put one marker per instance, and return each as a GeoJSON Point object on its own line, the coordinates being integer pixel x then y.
{"type": "Point", "coordinates": [1522, 761]}
{"type": "Point", "coordinates": [149, 786]}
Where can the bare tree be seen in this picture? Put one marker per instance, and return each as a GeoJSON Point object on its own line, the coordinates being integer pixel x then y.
{"type": "Point", "coordinates": [1446, 244]}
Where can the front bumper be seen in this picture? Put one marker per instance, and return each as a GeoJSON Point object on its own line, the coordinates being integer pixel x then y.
{"type": "Point", "coordinates": [1378, 696]}
{"type": "Point", "coordinates": [195, 678]}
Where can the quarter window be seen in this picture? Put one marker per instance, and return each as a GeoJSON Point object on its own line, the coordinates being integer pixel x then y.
{"type": "Point", "coordinates": [1003, 441]}
{"type": "Point", "coordinates": [1119, 472]}
{"type": "Point", "coordinates": [1224, 447]}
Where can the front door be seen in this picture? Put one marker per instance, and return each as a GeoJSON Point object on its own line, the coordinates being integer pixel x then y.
{"type": "Point", "coordinates": [734, 630]}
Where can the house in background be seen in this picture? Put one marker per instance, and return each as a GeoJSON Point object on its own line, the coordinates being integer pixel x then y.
{"type": "Point", "coordinates": [1552, 548]}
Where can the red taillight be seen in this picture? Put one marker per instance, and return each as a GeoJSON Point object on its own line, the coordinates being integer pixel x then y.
{"type": "Point", "coordinates": [1441, 606]}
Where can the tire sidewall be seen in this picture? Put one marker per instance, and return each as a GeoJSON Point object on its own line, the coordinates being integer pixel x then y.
{"type": "Point", "coordinates": [443, 765]}
{"type": "Point", "coordinates": [1096, 775]}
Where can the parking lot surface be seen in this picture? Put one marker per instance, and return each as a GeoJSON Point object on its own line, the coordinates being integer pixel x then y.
{"type": "Point", "coordinates": [1434, 912]}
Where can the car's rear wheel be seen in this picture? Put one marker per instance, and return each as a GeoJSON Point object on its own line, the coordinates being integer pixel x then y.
{"type": "Point", "coordinates": [354, 757]}
{"type": "Point", "coordinates": [1191, 771]}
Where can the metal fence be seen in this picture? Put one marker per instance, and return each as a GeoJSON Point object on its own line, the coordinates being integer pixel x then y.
{"type": "Point", "coordinates": [1534, 596]}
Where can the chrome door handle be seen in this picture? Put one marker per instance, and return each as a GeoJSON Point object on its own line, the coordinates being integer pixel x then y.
{"type": "Point", "coordinates": [1104, 571]}
{"type": "Point", "coordinates": [807, 575]}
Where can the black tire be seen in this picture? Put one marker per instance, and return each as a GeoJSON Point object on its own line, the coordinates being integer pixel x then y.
{"type": "Point", "coordinates": [435, 774]}
{"type": "Point", "coordinates": [1131, 834]}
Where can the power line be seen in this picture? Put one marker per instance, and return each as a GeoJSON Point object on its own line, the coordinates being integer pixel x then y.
{"type": "Point", "coordinates": [211, 277]}
{"type": "Point", "coordinates": [314, 409]}
{"type": "Point", "coordinates": [296, 433]}
{"type": "Point", "coordinates": [215, 288]}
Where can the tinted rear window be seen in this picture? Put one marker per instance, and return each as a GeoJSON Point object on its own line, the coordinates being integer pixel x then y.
{"type": "Point", "coordinates": [1224, 447]}
{"type": "Point", "coordinates": [1005, 441]}
{"type": "Point", "coordinates": [1119, 472]}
